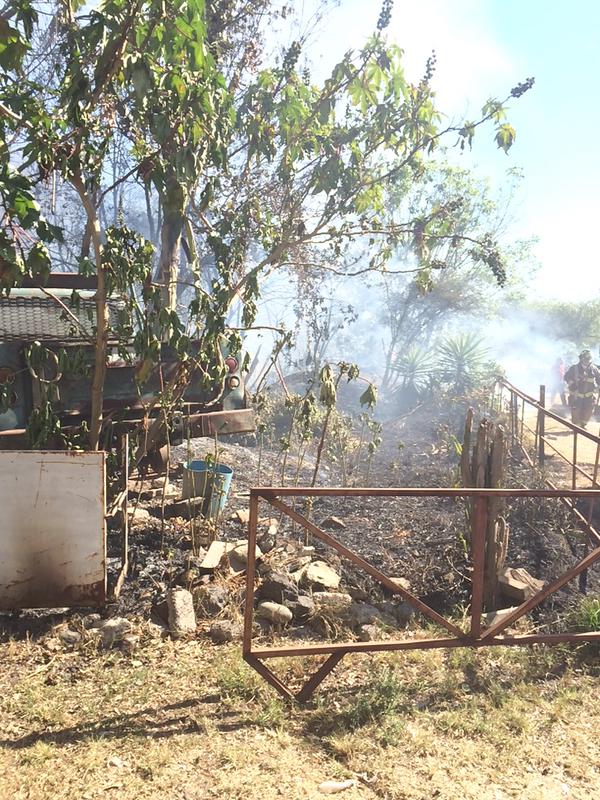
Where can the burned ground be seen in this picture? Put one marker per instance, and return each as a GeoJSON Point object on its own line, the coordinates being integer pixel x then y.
{"type": "Point", "coordinates": [421, 540]}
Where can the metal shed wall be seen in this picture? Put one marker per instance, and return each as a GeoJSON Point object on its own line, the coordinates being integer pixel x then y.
{"type": "Point", "coordinates": [52, 529]}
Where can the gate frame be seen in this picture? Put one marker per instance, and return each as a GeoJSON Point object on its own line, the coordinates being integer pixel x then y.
{"type": "Point", "coordinates": [474, 638]}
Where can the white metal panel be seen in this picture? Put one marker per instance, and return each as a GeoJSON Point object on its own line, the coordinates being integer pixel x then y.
{"type": "Point", "coordinates": [52, 529]}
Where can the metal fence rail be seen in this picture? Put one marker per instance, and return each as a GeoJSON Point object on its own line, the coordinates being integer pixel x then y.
{"type": "Point", "coordinates": [508, 399]}
{"type": "Point", "coordinates": [476, 636]}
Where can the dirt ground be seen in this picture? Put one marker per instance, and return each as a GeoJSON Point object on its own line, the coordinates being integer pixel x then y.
{"type": "Point", "coordinates": [560, 438]}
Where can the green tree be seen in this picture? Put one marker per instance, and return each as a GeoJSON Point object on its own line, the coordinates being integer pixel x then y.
{"type": "Point", "coordinates": [576, 324]}
{"type": "Point", "coordinates": [255, 169]}
{"type": "Point", "coordinates": [458, 282]}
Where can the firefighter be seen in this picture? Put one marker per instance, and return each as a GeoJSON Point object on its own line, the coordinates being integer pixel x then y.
{"type": "Point", "coordinates": [583, 380]}
{"type": "Point", "coordinates": [557, 382]}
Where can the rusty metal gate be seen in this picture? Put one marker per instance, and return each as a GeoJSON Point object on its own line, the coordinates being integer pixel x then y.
{"type": "Point", "coordinates": [52, 529]}
{"type": "Point", "coordinates": [476, 635]}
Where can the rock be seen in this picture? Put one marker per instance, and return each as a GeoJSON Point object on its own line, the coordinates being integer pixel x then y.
{"type": "Point", "coordinates": [296, 566]}
{"type": "Point", "coordinates": [213, 598]}
{"type": "Point", "coordinates": [171, 492]}
{"type": "Point", "coordinates": [518, 584]}
{"type": "Point", "coordinates": [405, 613]}
{"type": "Point", "coordinates": [369, 633]}
{"type": "Point", "coordinates": [69, 637]}
{"type": "Point", "coordinates": [113, 630]}
{"type": "Point", "coordinates": [396, 613]}
{"type": "Point", "coordinates": [129, 643]}
{"type": "Point", "coordinates": [182, 619]}
{"type": "Point", "coordinates": [139, 515]}
{"type": "Point", "coordinates": [267, 543]}
{"type": "Point", "coordinates": [363, 614]}
{"type": "Point", "coordinates": [279, 587]}
{"type": "Point", "coordinates": [274, 612]}
{"type": "Point", "coordinates": [333, 787]}
{"type": "Point", "coordinates": [334, 522]}
{"type": "Point", "coordinates": [303, 608]}
{"type": "Point", "coordinates": [238, 557]}
{"type": "Point", "coordinates": [157, 484]}
{"type": "Point", "coordinates": [308, 550]}
{"type": "Point", "coordinates": [403, 582]}
{"type": "Point", "coordinates": [318, 574]}
{"type": "Point", "coordinates": [242, 515]}
{"type": "Point", "coordinates": [92, 621]}
{"type": "Point", "coordinates": [156, 489]}
{"type": "Point", "coordinates": [492, 617]}
{"type": "Point", "coordinates": [214, 556]}
{"type": "Point", "coordinates": [332, 602]}
{"type": "Point", "coordinates": [225, 631]}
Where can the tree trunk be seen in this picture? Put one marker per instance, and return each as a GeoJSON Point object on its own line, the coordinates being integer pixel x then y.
{"type": "Point", "coordinates": [170, 243]}
{"type": "Point", "coordinates": [97, 391]}
{"type": "Point", "coordinates": [149, 214]}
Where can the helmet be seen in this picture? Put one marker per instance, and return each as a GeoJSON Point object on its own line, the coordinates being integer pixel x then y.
{"type": "Point", "coordinates": [585, 355]}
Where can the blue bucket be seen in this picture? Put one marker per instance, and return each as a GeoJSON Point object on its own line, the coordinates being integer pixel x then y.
{"type": "Point", "coordinates": [209, 481]}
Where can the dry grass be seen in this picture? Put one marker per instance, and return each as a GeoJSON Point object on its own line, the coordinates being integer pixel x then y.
{"type": "Point", "coordinates": [189, 721]}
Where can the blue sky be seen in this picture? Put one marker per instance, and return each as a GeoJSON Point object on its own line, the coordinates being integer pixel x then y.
{"type": "Point", "coordinates": [484, 47]}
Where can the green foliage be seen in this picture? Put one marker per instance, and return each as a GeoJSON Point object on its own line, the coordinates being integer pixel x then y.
{"type": "Point", "coordinates": [327, 386]}
{"type": "Point", "coordinates": [576, 324]}
{"type": "Point", "coordinates": [256, 163]}
{"type": "Point", "coordinates": [462, 233]}
{"type": "Point", "coordinates": [20, 253]}
{"type": "Point", "coordinates": [43, 425]}
{"type": "Point", "coordinates": [460, 361]}
{"type": "Point", "coordinates": [586, 616]}
{"type": "Point", "coordinates": [236, 681]}
{"type": "Point", "coordinates": [415, 367]}
{"type": "Point", "coordinates": [378, 704]}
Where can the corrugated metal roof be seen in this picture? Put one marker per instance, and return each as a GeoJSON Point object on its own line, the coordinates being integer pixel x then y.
{"type": "Point", "coordinates": [29, 319]}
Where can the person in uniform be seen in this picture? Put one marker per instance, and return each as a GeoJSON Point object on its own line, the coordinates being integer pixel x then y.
{"type": "Point", "coordinates": [557, 382]}
{"type": "Point", "coordinates": [583, 380]}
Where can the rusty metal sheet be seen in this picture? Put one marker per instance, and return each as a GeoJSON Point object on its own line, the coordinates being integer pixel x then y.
{"type": "Point", "coordinates": [52, 529]}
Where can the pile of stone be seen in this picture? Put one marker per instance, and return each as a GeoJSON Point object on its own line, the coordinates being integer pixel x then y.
{"type": "Point", "coordinates": [296, 589]}
{"type": "Point", "coordinates": [309, 591]}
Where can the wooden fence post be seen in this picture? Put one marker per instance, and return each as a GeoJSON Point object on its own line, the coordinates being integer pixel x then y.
{"type": "Point", "coordinates": [484, 468]}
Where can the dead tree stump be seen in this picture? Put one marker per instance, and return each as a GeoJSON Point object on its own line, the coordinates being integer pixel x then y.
{"type": "Point", "coordinates": [483, 464]}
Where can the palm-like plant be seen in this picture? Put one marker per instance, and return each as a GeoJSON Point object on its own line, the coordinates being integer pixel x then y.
{"type": "Point", "coordinates": [415, 366]}
{"type": "Point", "coordinates": [461, 361]}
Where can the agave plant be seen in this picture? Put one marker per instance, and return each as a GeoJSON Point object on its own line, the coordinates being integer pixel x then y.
{"type": "Point", "coordinates": [415, 367]}
{"type": "Point", "coordinates": [461, 361]}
